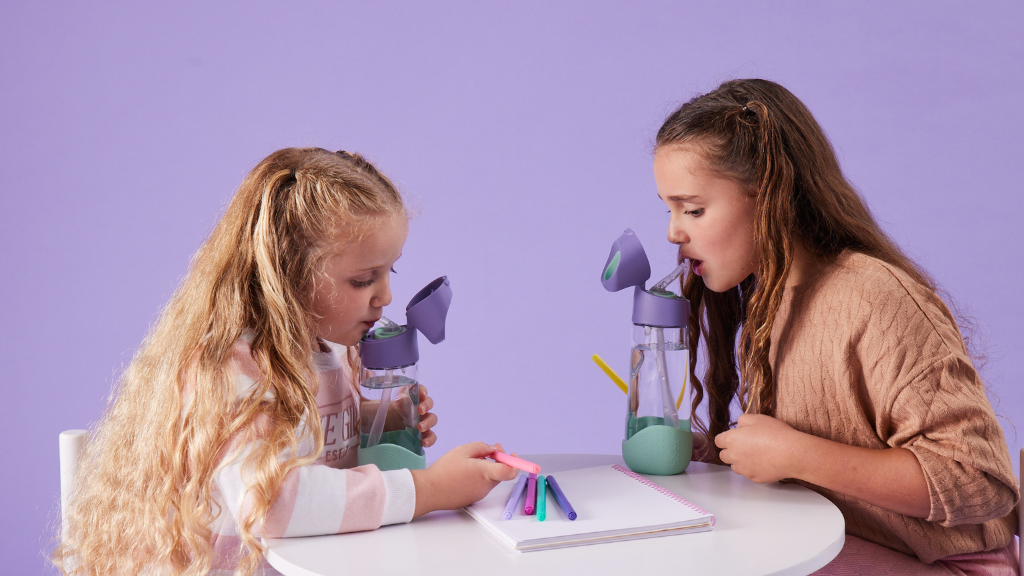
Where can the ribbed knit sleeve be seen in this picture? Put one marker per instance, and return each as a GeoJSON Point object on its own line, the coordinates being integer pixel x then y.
{"type": "Point", "coordinates": [944, 418]}
{"type": "Point", "coordinates": [865, 356]}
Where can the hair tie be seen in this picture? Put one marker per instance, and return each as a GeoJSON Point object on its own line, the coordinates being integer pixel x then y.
{"type": "Point", "coordinates": [745, 109]}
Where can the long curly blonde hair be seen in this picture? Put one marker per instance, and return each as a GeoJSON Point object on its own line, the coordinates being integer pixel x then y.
{"type": "Point", "coordinates": [145, 486]}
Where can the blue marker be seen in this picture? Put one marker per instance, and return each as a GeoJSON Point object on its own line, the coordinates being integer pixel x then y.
{"type": "Point", "coordinates": [560, 496]}
{"type": "Point", "coordinates": [517, 495]}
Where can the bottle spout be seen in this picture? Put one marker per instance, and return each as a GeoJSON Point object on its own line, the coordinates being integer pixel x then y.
{"type": "Point", "coordinates": [392, 346]}
{"type": "Point", "coordinates": [387, 329]}
{"type": "Point", "coordinates": [662, 284]}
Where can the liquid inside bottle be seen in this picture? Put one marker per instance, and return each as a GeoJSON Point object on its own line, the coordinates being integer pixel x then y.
{"type": "Point", "coordinates": [398, 422]}
{"type": "Point", "coordinates": [659, 380]}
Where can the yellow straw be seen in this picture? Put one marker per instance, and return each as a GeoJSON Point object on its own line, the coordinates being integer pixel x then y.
{"type": "Point", "coordinates": [622, 384]}
{"type": "Point", "coordinates": [686, 377]}
{"type": "Point", "coordinates": [611, 373]}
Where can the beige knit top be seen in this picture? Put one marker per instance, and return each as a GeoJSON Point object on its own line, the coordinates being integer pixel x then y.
{"type": "Point", "coordinates": [862, 356]}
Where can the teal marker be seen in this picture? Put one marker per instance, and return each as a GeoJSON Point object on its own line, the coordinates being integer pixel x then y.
{"type": "Point", "coordinates": [542, 509]}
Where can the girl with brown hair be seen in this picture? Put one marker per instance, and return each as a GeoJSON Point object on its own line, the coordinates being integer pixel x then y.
{"type": "Point", "coordinates": [851, 372]}
{"type": "Point", "coordinates": [236, 418]}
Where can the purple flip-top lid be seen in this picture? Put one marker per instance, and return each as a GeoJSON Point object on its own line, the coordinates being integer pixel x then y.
{"type": "Point", "coordinates": [426, 312]}
{"type": "Point", "coordinates": [627, 266]}
{"type": "Point", "coordinates": [428, 309]}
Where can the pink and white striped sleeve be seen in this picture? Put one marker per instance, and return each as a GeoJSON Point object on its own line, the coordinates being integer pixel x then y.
{"type": "Point", "coordinates": [318, 499]}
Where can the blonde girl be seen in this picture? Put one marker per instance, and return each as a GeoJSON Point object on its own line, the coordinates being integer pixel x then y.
{"type": "Point", "coordinates": [851, 372]}
{"type": "Point", "coordinates": [236, 419]}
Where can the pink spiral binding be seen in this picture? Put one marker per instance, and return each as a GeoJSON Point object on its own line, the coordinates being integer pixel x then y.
{"type": "Point", "coordinates": [663, 490]}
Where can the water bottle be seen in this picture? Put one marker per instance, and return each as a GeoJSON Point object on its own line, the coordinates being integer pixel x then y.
{"type": "Point", "coordinates": [657, 437]}
{"type": "Point", "coordinates": [389, 418]}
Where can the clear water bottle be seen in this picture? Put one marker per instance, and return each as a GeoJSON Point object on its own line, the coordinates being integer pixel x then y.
{"type": "Point", "coordinates": [659, 369]}
{"type": "Point", "coordinates": [396, 392]}
{"type": "Point", "coordinates": [657, 437]}
{"type": "Point", "coordinates": [389, 418]}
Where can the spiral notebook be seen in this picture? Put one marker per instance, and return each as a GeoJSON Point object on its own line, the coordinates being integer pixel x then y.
{"type": "Point", "coordinates": [612, 504]}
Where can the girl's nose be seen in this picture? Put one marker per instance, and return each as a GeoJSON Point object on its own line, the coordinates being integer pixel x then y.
{"type": "Point", "coordinates": [676, 233]}
{"type": "Point", "coordinates": [383, 296]}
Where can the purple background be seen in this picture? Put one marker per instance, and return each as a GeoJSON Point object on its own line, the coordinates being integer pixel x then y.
{"type": "Point", "coordinates": [523, 133]}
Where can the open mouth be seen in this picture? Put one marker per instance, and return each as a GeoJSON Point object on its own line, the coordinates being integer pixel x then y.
{"type": "Point", "coordinates": [697, 266]}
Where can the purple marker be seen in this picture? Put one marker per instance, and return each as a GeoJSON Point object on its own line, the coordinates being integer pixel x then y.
{"type": "Point", "coordinates": [517, 495]}
{"type": "Point", "coordinates": [531, 494]}
{"type": "Point", "coordinates": [560, 496]}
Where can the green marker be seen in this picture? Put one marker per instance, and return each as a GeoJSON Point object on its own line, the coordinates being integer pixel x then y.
{"type": "Point", "coordinates": [542, 510]}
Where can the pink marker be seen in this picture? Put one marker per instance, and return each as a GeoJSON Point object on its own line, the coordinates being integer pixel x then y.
{"type": "Point", "coordinates": [515, 462]}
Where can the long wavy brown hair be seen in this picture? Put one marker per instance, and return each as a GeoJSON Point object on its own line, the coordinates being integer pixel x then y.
{"type": "Point", "coordinates": [145, 486]}
{"type": "Point", "coordinates": [762, 136]}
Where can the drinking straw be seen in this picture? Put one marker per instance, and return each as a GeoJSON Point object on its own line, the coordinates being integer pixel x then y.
{"type": "Point", "coordinates": [377, 428]}
{"type": "Point", "coordinates": [611, 373]}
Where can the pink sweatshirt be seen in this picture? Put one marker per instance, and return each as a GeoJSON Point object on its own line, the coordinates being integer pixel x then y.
{"type": "Point", "coordinates": [331, 496]}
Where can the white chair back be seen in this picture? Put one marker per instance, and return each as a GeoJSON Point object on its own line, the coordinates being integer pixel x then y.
{"type": "Point", "coordinates": [71, 444]}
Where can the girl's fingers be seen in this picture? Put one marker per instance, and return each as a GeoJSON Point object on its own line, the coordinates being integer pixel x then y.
{"type": "Point", "coordinates": [426, 404]}
{"type": "Point", "coordinates": [428, 439]}
{"type": "Point", "coordinates": [498, 472]}
{"type": "Point", "coordinates": [504, 473]}
{"type": "Point", "coordinates": [721, 439]}
{"type": "Point", "coordinates": [428, 422]}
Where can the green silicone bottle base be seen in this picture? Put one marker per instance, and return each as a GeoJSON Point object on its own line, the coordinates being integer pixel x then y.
{"type": "Point", "coordinates": [659, 449]}
{"type": "Point", "coordinates": [391, 457]}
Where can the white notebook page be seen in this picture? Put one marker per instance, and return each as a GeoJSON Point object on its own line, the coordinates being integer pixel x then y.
{"type": "Point", "coordinates": [611, 505]}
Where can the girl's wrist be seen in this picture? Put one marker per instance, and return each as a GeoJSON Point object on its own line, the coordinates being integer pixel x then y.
{"type": "Point", "coordinates": [424, 494]}
{"type": "Point", "coordinates": [803, 452]}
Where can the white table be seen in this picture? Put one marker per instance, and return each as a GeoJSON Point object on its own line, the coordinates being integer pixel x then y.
{"type": "Point", "coordinates": [761, 529]}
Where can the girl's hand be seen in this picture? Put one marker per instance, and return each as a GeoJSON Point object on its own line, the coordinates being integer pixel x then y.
{"type": "Point", "coordinates": [427, 419]}
{"type": "Point", "coordinates": [459, 478]}
{"type": "Point", "coordinates": [761, 448]}
{"type": "Point", "coordinates": [765, 450]}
